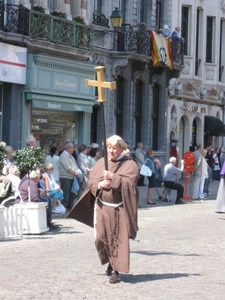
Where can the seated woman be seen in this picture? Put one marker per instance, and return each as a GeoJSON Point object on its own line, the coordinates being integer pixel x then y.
{"type": "Point", "coordinates": [55, 191]}
{"type": "Point", "coordinates": [34, 194]}
{"type": "Point", "coordinates": [14, 176]}
{"type": "Point", "coordinates": [158, 175]}
{"type": "Point", "coordinates": [160, 182]}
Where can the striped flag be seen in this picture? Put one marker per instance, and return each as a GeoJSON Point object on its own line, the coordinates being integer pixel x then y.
{"type": "Point", "coordinates": [161, 49]}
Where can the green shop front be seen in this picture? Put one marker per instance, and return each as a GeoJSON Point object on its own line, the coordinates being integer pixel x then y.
{"type": "Point", "coordinates": [57, 104]}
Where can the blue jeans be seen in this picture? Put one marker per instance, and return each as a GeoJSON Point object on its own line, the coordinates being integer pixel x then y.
{"type": "Point", "coordinates": [207, 182]}
{"type": "Point", "coordinates": [49, 207]}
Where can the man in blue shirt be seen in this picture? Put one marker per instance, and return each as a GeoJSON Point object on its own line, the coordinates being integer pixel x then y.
{"type": "Point", "coordinates": [175, 35]}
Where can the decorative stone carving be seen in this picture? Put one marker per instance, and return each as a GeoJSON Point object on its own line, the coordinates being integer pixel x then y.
{"type": "Point", "coordinates": [209, 74]}
{"type": "Point", "coordinates": [121, 67]}
{"type": "Point", "coordinates": [186, 69]}
{"type": "Point", "coordinates": [173, 124]}
{"type": "Point", "coordinates": [143, 76]}
{"type": "Point", "coordinates": [191, 85]}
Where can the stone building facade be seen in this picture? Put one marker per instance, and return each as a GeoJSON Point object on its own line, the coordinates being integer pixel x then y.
{"type": "Point", "coordinates": [196, 99]}
{"type": "Point", "coordinates": [153, 104]}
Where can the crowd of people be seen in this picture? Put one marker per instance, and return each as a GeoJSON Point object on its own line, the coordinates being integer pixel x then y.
{"type": "Point", "coordinates": [207, 167]}
{"type": "Point", "coordinates": [109, 197]}
{"type": "Point", "coordinates": [61, 180]}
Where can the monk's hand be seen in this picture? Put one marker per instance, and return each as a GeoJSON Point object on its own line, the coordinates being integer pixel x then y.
{"type": "Point", "coordinates": [105, 184]}
{"type": "Point", "coordinates": [107, 175]}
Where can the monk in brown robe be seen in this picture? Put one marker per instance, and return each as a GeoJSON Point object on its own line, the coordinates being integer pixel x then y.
{"type": "Point", "coordinates": [109, 204]}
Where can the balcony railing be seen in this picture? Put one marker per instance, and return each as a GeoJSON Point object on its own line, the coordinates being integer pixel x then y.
{"type": "Point", "coordinates": [18, 19]}
{"type": "Point", "coordinates": [137, 39]}
{"type": "Point", "coordinates": [100, 20]}
{"type": "Point", "coordinates": [128, 38]}
{"type": "Point", "coordinates": [132, 39]}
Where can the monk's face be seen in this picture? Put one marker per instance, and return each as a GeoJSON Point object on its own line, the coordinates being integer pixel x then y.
{"type": "Point", "coordinates": [114, 151]}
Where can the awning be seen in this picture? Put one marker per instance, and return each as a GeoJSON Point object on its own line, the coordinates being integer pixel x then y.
{"type": "Point", "coordinates": [214, 126]}
{"type": "Point", "coordinates": [59, 104]}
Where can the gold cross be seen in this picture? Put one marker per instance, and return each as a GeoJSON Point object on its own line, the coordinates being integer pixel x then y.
{"type": "Point", "coordinates": [100, 83]}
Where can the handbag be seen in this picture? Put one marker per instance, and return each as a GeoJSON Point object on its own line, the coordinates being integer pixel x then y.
{"type": "Point", "coordinates": [145, 170]}
{"type": "Point", "coordinates": [43, 192]}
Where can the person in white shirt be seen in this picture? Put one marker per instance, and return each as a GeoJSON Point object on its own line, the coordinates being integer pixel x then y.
{"type": "Point", "coordinates": [171, 174]}
{"type": "Point", "coordinates": [53, 158]}
{"type": "Point", "coordinates": [67, 170]}
{"type": "Point", "coordinates": [140, 159]}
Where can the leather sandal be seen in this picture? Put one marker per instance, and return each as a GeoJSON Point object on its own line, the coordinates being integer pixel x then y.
{"type": "Point", "coordinates": [115, 277]}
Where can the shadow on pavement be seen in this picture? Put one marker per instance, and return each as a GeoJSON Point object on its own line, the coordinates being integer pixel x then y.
{"type": "Point", "coordinates": [129, 278]}
{"type": "Point", "coordinates": [163, 253]}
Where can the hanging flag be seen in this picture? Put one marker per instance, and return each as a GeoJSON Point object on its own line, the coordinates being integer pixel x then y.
{"type": "Point", "coordinates": [161, 49]}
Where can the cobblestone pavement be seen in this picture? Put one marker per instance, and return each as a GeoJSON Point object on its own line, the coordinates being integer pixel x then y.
{"type": "Point", "coordinates": [179, 253]}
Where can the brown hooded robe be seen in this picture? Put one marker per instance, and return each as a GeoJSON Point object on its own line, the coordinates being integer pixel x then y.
{"type": "Point", "coordinates": [114, 226]}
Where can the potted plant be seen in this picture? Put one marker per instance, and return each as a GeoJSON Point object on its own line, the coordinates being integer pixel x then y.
{"type": "Point", "coordinates": [79, 19]}
{"type": "Point", "coordinates": [3, 155]}
{"type": "Point", "coordinates": [39, 8]}
{"type": "Point", "coordinates": [58, 13]}
{"type": "Point", "coordinates": [31, 218]}
{"type": "Point", "coordinates": [27, 160]}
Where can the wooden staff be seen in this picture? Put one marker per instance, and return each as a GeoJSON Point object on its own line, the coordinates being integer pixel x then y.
{"type": "Point", "coordinates": [101, 85]}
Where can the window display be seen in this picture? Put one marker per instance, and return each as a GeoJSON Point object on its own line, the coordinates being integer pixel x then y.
{"type": "Point", "coordinates": [53, 128]}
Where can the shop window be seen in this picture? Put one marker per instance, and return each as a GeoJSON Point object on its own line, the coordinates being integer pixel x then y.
{"type": "Point", "coordinates": [53, 128]}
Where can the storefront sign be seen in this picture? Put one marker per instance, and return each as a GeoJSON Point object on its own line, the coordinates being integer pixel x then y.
{"type": "Point", "coordinates": [65, 83]}
{"type": "Point", "coordinates": [61, 106]}
{"type": "Point", "coordinates": [13, 61]}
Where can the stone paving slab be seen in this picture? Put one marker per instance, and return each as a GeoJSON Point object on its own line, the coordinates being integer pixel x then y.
{"type": "Point", "coordinates": [179, 253]}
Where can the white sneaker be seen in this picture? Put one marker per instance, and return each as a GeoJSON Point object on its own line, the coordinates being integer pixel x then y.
{"type": "Point", "coordinates": [209, 194]}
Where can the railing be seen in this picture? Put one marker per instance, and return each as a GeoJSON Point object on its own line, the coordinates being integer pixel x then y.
{"type": "Point", "coordinates": [18, 19]}
{"type": "Point", "coordinates": [135, 39]}
{"type": "Point", "coordinates": [132, 39]}
{"type": "Point", "coordinates": [177, 52]}
{"type": "Point", "coordinates": [100, 20]}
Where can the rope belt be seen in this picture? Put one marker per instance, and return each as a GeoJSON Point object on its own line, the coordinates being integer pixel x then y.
{"type": "Point", "coordinates": [115, 205]}
{"type": "Point", "coordinates": [109, 204]}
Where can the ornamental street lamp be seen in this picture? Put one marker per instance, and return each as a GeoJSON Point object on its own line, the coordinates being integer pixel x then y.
{"type": "Point", "coordinates": [116, 18]}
